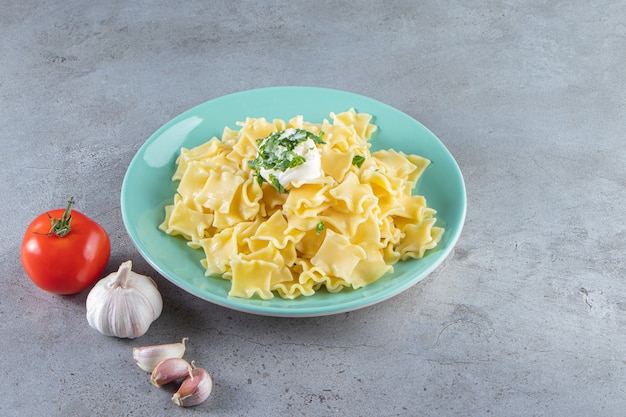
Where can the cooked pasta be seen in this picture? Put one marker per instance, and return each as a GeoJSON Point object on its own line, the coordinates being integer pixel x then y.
{"type": "Point", "coordinates": [345, 227]}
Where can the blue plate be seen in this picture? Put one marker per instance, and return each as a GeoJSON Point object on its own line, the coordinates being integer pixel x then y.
{"type": "Point", "coordinates": [147, 188]}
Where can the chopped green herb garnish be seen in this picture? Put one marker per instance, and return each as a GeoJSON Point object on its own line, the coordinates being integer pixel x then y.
{"type": "Point", "coordinates": [358, 160]}
{"type": "Point", "coordinates": [276, 152]}
{"type": "Point", "coordinates": [320, 228]}
{"type": "Point", "coordinates": [276, 184]}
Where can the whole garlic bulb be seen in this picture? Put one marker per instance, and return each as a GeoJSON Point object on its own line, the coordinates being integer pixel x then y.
{"type": "Point", "coordinates": [124, 303]}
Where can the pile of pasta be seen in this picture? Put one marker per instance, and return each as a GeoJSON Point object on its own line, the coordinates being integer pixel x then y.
{"type": "Point", "coordinates": [344, 229]}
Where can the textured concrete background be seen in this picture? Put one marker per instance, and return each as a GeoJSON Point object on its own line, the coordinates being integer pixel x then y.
{"type": "Point", "coordinates": [527, 318]}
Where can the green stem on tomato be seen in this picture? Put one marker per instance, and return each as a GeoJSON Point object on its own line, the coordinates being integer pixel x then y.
{"type": "Point", "coordinates": [61, 227]}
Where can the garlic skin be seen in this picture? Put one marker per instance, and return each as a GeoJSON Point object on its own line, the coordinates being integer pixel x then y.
{"type": "Point", "coordinates": [170, 370]}
{"type": "Point", "coordinates": [195, 389]}
{"type": "Point", "coordinates": [124, 304]}
{"type": "Point", "coordinates": [148, 357]}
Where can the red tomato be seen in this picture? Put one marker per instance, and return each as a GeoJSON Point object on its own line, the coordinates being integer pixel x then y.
{"type": "Point", "coordinates": [64, 251]}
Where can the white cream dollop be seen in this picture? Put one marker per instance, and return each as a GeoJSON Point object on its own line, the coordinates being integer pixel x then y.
{"type": "Point", "coordinates": [309, 170]}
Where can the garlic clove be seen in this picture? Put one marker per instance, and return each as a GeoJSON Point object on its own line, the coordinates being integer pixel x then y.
{"type": "Point", "coordinates": [170, 370]}
{"type": "Point", "coordinates": [148, 357]}
{"type": "Point", "coordinates": [124, 304]}
{"type": "Point", "coordinates": [195, 389]}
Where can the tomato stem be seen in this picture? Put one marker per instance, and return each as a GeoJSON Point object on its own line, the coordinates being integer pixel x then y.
{"type": "Point", "coordinates": [61, 227]}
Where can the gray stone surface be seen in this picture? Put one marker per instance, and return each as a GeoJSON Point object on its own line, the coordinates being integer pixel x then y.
{"type": "Point", "coordinates": [527, 318]}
